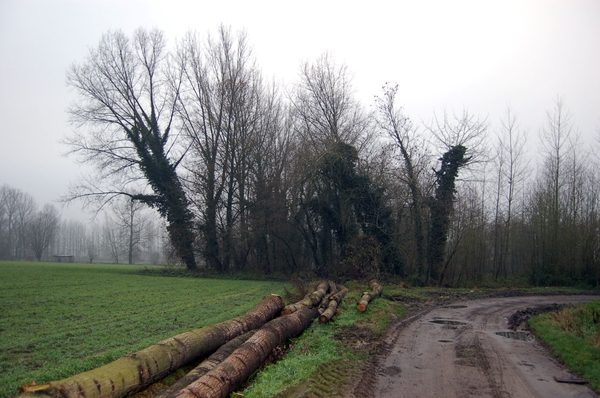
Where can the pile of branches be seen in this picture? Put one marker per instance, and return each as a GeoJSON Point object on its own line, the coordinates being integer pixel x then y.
{"type": "Point", "coordinates": [238, 346]}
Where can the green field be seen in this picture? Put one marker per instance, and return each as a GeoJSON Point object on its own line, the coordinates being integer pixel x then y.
{"type": "Point", "coordinates": [57, 320]}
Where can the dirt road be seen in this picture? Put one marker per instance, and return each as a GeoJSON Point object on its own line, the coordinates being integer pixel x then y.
{"type": "Point", "coordinates": [467, 349]}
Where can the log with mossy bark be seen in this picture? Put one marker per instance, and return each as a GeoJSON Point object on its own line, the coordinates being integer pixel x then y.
{"type": "Point", "coordinates": [320, 292]}
{"type": "Point", "coordinates": [237, 368]}
{"type": "Point", "coordinates": [205, 366]}
{"type": "Point", "coordinates": [367, 297]}
{"type": "Point", "coordinates": [333, 289]}
{"type": "Point", "coordinates": [310, 299]}
{"type": "Point", "coordinates": [134, 372]}
{"type": "Point", "coordinates": [334, 302]}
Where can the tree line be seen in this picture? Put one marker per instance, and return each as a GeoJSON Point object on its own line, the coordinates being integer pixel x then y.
{"type": "Point", "coordinates": [252, 175]}
{"type": "Point", "coordinates": [123, 233]}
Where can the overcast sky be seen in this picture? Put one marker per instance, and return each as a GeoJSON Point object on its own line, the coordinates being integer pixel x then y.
{"type": "Point", "coordinates": [479, 55]}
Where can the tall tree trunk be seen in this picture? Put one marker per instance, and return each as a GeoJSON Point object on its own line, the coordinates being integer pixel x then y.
{"type": "Point", "coordinates": [130, 243]}
{"type": "Point", "coordinates": [441, 209]}
{"type": "Point", "coordinates": [211, 245]}
{"type": "Point", "coordinates": [136, 371]}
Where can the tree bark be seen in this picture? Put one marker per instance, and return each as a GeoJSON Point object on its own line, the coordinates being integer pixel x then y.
{"type": "Point", "coordinates": [334, 301]}
{"type": "Point", "coordinates": [325, 302]}
{"type": "Point", "coordinates": [368, 296]}
{"type": "Point", "coordinates": [205, 366]}
{"type": "Point", "coordinates": [232, 372]}
{"type": "Point", "coordinates": [311, 299]}
{"type": "Point", "coordinates": [318, 294]}
{"type": "Point", "coordinates": [136, 371]}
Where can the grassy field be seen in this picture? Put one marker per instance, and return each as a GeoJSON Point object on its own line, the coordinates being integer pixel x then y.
{"type": "Point", "coordinates": [57, 320]}
{"type": "Point", "coordinates": [573, 335]}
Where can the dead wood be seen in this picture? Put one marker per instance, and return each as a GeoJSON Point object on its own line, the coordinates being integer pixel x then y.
{"type": "Point", "coordinates": [333, 289]}
{"type": "Point", "coordinates": [334, 302]}
{"type": "Point", "coordinates": [318, 294]}
{"type": "Point", "coordinates": [205, 366]}
{"type": "Point", "coordinates": [136, 371]}
{"type": "Point", "coordinates": [236, 369]}
{"type": "Point", "coordinates": [367, 297]}
{"type": "Point", "coordinates": [311, 299]}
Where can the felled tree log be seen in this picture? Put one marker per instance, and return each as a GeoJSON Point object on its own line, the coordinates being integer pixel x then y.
{"type": "Point", "coordinates": [311, 299]}
{"type": "Point", "coordinates": [318, 294]}
{"type": "Point", "coordinates": [236, 369]}
{"type": "Point", "coordinates": [333, 289]}
{"type": "Point", "coordinates": [334, 301]}
{"type": "Point", "coordinates": [289, 309]}
{"type": "Point", "coordinates": [205, 366]}
{"type": "Point", "coordinates": [368, 296]}
{"type": "Point", "coordinates": [134, 372]}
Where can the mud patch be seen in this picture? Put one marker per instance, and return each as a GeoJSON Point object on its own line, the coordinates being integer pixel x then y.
{"type": "Point", "coordinates": [449, 322]}
{"type": "Point", "coordinates": [454, 306]}
{"type": "Point", "coordinates": [392, 371]}
{"type": "Point", "coordinates": [359, 339]}
{"type": "Point", "coordinates": [519, 319]}
{"type": "Point", "coordinates": [523, 336]}
{"type": "Point", "coordinates": [445, 341]}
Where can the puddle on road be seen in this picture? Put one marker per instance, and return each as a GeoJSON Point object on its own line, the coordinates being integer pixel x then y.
{"type": "Point", "coordinates": [448, 322]}
{"type": "Point", "coordinates": [445, 341]}
{"type": "Point", "coordinates": [455, 306]}
{"type": "Point", "coordinates": [523, 336]}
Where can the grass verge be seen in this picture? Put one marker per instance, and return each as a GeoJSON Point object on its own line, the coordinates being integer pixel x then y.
{"type": "Point", "coordinates": [58, 320]}
{"type": "Point", "coordinates": [573, 335]}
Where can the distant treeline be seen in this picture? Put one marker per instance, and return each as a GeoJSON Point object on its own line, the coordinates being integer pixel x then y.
{"type": "Point", "coordinates": [250, 175]}
{"type": "Point", "coordinates": [121, 234]}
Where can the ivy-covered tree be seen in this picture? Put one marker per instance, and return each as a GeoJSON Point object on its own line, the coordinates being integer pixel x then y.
{"type": "Point", "coordinates": [127, 93]}
{"type": "Point", "coordinates": [441, 209]}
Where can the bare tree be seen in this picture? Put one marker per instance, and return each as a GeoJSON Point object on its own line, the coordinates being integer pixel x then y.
{"type": "Point", "coordinates": [124, 117]}
{"type": "Point", "coordinates": [464, 130]}
{"type": "Point", "coordinates": [41, 230]}
{"type": "Point", "coordinates": [325, 108]}
{"type": "Point", "coordinates": [224, 114]}
{"type": "Point", "coordinates": [93, 241]}
{"type": "Point", "coordinates": [131, 221]}
{"type": "Point", "coordinates": [16, 208]}
{"type": "Point", "coordinates": [463, 141]}
{"type": "Point", "coordinates": [557, 147]}
{"type": "Point", "coordinates": [400, 129]}
{"type": "Point", "coordinates": [511, 172]}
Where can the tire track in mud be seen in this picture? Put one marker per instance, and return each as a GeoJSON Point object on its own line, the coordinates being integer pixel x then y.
{"type": "Point", "coordinates": [468, 350]}
{"type": "Point", "coordinates": [365, 387]}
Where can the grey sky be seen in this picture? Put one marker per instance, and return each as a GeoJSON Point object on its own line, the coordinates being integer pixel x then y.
{"type": "Point", "coordinates": [480, 55]}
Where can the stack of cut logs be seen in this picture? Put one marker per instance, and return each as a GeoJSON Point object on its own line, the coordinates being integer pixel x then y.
{"type": "Point", "coordinates": [238, 346]}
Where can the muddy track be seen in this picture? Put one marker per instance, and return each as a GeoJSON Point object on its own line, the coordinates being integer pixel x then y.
{"type": "Point", "coordinates": [469, 349]}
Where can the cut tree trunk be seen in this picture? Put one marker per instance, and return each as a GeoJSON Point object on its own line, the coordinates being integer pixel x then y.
{"type": "Point", "coordinates": [205, 366]}
{"type": "Point", "coordinates": [136, 371]}
{"type": "Point", "coordinates": [368, 296]}
{"type": "Point", "coordinates": [333, 289]}
{"type": "Point", "coordinates": [318, 294]}
{"type": "Point", "coordinates": [236, 369]}
{"type": "Point", "coordinates": [289, 309]}
{"type": "Point", "coordinates": [311, 299]}
{"type": "Point", "coordinates": [334, 301]}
